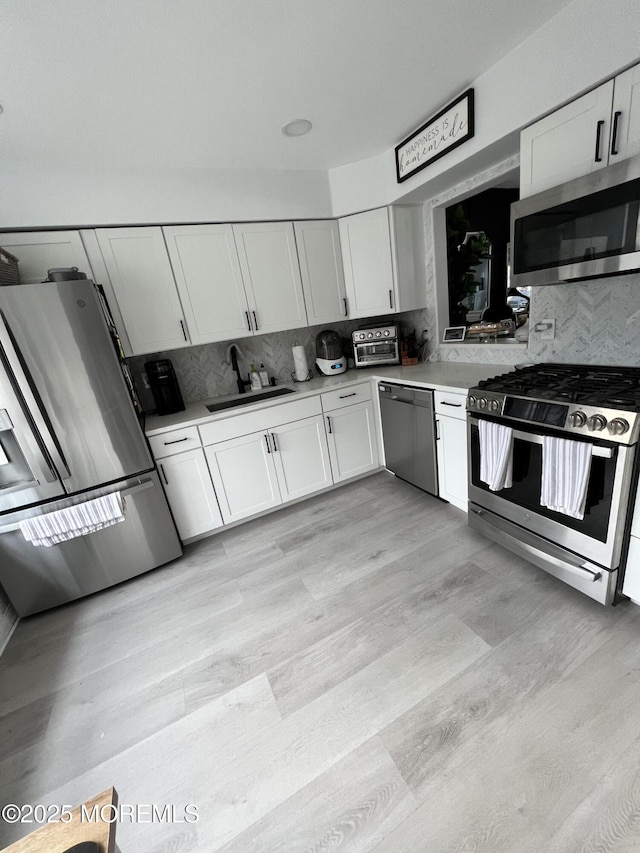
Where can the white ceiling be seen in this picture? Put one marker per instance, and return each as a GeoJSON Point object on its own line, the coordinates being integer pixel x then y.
{"type": "Point", "coordinates": [210, 83]}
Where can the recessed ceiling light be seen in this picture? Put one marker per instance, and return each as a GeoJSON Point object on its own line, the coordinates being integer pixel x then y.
{"type": "Point", "coordinates": [297, 127]}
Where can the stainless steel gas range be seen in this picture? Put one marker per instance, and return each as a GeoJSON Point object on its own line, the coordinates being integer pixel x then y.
{"type": "Point", "coordinates": [599, 409]}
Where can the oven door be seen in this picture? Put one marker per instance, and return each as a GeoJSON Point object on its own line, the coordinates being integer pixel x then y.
{"type": "Point", "coordinates": [599, 536]}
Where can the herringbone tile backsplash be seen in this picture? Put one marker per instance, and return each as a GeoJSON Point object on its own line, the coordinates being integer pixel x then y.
{"type": "Point", "coordinates": [204, 371]}
{"type": "Point", "coordinates": [597, 322]}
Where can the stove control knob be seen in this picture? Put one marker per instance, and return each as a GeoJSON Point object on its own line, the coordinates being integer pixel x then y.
{"type": "Point", "coordinates": [369, 334]}
{"type": "Point", "coordinates": [471, 401]}
{"type": "Point", "coordinates": [482, 403]}
{"type": "Point", "coordinates": [618, 426]}
{"type": "Point", "coordinates": [494, 405]}
{"type": "Point", "coordinates": [387, 333]}
{"type": "Point", "coordinates": [597, 423]}
{"type": "Point", "coordinates": [378, 334]}
{"type": "Point", "coordinates": [577, 419]}
{"type": "Point", "coordinates": [362, 337]}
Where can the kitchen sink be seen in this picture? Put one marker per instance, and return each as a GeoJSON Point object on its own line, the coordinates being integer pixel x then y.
{"type": "Point", "coordinates": [244, 399]}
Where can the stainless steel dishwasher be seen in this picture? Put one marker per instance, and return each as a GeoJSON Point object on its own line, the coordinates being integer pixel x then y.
{"type": "Point", "coordinates": [408, 432]}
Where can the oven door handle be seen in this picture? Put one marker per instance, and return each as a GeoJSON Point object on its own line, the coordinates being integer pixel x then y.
{"type": "Point", "coordinates": [575, 568]}
{"type": "Point", "coordinates": [596, 450]}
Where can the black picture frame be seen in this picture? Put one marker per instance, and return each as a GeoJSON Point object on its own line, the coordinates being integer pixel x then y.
{"type": "Point", "coordinates": [454, 333]}
{"type": "Point", "coordinates": [442, 133]}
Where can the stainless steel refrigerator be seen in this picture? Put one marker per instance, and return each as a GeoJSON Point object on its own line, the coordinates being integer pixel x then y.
{"type": "Point", "coordinates": [69, 433]}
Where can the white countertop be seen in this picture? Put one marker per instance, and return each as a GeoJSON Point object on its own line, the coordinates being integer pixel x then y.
{"type": "Point", "coordinates": [438, 375]}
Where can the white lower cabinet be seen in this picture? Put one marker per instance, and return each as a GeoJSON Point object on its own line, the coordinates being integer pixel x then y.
{"type": "Point", "coordinates": [351, 434]}
{"type": "Point", "coordinates": [244, 475]}
{"type": "Point", "coordinates": [264, 469]}
{"type": "Point", "coordinates": [451, 447]}
{"type": "Point", "coordinates": [631, 583]}
{"type": "Point", "coordinates": [190, 493]}
{"type": "Point", "coordinates": [301, 458]}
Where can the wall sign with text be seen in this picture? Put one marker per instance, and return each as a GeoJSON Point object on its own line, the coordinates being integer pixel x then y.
{"type": "Point", "coordinates": [445, 131]}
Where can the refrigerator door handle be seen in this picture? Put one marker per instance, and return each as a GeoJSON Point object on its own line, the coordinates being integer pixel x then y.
{"type": "Point", "coordinates": [43, 434]}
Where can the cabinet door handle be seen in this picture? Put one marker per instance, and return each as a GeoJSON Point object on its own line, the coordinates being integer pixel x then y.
{"type": "Point", "coordinates": [344, 396]}
{"type": "Point", "coordinates": [614, 132]}
{"type": "Point", "coordinates": [176, 440]}
{"type": "Point", "coordinates": [346, 312]}
{"type": "Point", "coordinates": [255, 320]}
{"type": "Point", "coordinates": [599, 126]}
{"type": "Point", "coordinates": [266, 438]}
{"type": "Point", "coordinates": [184, 331]}
{"type": "Point", "coordinates": [275, 446]}
{"type": "Point", "coordinates": [164, 474]}
{"type": "Point", "coordinates": [391, 299]}
{"type": "Point", "coordinates": [437, 430]}
{"type": "Point", "coordinates": [246, 314]}
{"type": "Point", "coordinates": [329, 424]}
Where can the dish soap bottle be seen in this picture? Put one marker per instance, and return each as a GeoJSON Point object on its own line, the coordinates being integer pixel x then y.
{"type": "Point", "coordinates": [254, 379]}
{"type": "Point", "coordinates": [264, 376]}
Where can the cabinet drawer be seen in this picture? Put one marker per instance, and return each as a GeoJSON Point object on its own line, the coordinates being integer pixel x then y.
{"type": "Point", "coordinates": [346, 396]}
{"type": "Point", "coordinates": [262, 419]}
{"type": "Point", "coordinates": [176, 441]}
{"type": "Point", "coordinates": [450, 404]}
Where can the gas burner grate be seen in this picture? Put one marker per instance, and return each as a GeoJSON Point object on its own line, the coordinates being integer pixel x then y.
{"type": "Point", "coordinates": [610, 387]}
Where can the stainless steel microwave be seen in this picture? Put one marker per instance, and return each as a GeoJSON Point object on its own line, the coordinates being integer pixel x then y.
{"type": "Point", "coordinates": [586, 228]}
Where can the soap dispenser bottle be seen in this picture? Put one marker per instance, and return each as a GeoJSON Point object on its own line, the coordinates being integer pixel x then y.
{"type": "Point", "coordinates": [254, 378]}
{"type": "Point", "coordinates": [264, 376]}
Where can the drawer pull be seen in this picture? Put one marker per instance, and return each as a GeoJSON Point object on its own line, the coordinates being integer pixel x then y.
{"type": "Point", "coordinates": [455, 405]}
{"type": "Point", "coordinates": [344, 396]}
{"type": "Point", "coordinates": [176, 440]}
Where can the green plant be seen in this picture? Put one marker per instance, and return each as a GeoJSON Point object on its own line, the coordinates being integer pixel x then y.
{"type": "Point", "coordinates": [462, 260]}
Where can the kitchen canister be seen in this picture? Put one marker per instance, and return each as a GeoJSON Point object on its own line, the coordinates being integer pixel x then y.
{"type": "Point", "coordinates": [301, 372]}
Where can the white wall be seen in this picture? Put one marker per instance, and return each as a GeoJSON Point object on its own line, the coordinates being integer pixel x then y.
{"type": "Point", "coordinates": [587, 42]}
{"type": "Point", "coordinates": [45, 197]}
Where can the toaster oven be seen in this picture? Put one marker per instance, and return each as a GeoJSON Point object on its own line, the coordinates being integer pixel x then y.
{"type": "Point", "coordinates": [374, 346]}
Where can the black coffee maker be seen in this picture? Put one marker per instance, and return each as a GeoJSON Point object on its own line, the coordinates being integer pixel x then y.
{"type": "Point", "coordinates": [164, 386]}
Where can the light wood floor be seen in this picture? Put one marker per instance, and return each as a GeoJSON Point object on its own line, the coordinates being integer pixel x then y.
{"type": "Point", "coordinates": [359, 672]}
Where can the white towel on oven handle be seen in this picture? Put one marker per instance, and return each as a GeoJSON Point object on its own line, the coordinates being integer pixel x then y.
{"type": "Point", "coordinates": [54, 527]}
{"type": "Point", "coordinates": [566, 466]}
{"type": "Point", "coordinates": [496, 455]}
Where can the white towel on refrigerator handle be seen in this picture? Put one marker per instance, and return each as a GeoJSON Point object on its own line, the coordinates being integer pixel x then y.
{"type": "Point", "coordinates": [566, 466]}
{"type": "Point", "coordinates": [54, 527]}
{"type": "Point", "coordinates": [496, 455]}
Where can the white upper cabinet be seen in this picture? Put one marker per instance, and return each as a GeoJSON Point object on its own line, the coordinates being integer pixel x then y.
{"type": "Point", "coordinates": [39, 251]}
{"type": "Point", "coordinates": [383, 258]}
{"type": "Point", "coordinates": [587, 134]}
{"type": "Point", "coordinates": [368, 270]}
{"type": "Point", "coordinates": [562, 146]}
{"type": "Point", "coordinates": [138, 265]}
{"type": "Point", "coordinates": [318, 243]}
{"type": "Point", "coordinates": [626, 116]}
{"type": "Point", "coordinates": [207, 270]}
{"type": "Point", "coordinates": [271, 274]}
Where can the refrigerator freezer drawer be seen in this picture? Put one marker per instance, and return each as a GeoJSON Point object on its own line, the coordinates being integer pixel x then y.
{"type": "Point", "coordinates": [37, 578]}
